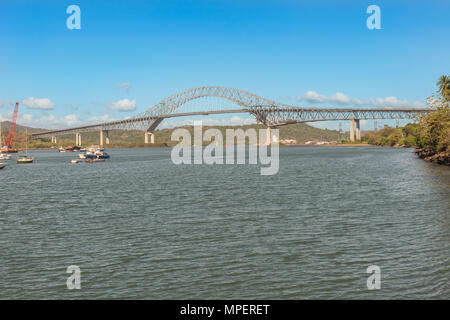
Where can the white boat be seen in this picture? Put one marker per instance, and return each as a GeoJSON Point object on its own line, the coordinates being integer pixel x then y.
{"type": "Point", "coordinates": [4, 156]}
{"type": "Point", "coordinates": [2, 165]}
{"type": "Point", "coordinates": [75, 161]}
{"type": "Point", "coordinates": [25, 159]}
{"type": "Point", "coordinates": [94, 152]}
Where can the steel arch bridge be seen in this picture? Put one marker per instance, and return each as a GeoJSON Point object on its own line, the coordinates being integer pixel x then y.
{"type": "Point", "coordinates": [267, 112]}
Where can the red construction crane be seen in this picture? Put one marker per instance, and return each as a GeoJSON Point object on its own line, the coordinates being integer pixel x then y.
{"type": "Point", "coordinates": [9, 142]}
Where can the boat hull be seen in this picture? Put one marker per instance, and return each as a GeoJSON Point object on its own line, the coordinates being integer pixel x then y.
{"type": "Point", "coordinates": [94, 160]}
{"type": "Point", "coordinates": [28, 160]}
{"type": "Point", "coordinates": [10, 151]}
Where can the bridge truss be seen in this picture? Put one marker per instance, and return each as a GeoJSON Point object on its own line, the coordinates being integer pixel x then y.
{"type": "Point", "coordinates": [267, 112]}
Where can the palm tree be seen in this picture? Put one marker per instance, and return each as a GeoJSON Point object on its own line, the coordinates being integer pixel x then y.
{"type": "Point", "coordinates": [444, 86]}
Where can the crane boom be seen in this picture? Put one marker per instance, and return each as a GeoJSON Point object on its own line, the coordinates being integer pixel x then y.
{"type": "Point", "coordinates": [9, 142]}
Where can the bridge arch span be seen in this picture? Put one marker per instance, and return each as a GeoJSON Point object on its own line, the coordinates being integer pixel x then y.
{"type": "Point", "coordinates": [242, 98]}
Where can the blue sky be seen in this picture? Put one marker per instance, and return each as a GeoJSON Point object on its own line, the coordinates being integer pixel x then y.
{"type": "Point", "coordinates": [128, 55]}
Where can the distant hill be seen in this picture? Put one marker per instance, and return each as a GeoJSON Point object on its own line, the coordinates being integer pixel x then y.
{"type": "Point", "coordinates": [300, 132]}
{"type": "Point", "coordinates": [6, 126]}
{"type": "Point", "coordinates": [19, 137]}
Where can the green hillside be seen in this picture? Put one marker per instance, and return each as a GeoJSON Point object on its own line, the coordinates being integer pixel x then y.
{"type": "Point", "coordinates": [122, 138]}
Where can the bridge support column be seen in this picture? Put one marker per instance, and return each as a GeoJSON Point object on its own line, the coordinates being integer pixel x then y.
{"type": "Point", "coordinates": [78, 139]}
{"type": "Point", "coordinates": [151, 135]}
{"type": "Point", "coordinates": [53, 139]}
{"type": "Point", "coordinates": [269, 136]}
{"type": "Point", "coordinates": [352, 130]}
{"type": "Point", "coordinates": [358, 130]}
{"type": "Point", "coordinates": [101, 138]}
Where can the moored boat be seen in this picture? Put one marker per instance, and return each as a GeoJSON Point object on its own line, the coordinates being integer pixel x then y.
{"type": "Point", "coordinates": [2, 165]}
{"type": "Point", "coordinates": [9, 150]}
{"type": "Point", "coordinates": [25, 159]}
{"type": "Point", "coordinates": [94, 153]}
{"type": "Point", "coordinates": [4, 156]}
{"type": "Point", "coordinates": [102, 155]}
{"type": "Point", "coordinates": [94, 160]}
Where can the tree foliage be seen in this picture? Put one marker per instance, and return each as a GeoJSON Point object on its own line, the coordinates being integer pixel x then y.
{"type": "Point", "coordinates": [434, 133]}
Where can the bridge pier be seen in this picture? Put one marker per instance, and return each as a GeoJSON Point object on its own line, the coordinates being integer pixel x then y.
{"type": "Point", "coordinates": [104, 134]}
{"type": "Point", "coordinates": [358, 130]}
{"type": "Point", "coordinates": [78, 139]}
{"type": "Point", "coordinates": [54, 139]}
{"type": "Point", "coordinates": [152, 137]}
{"type": "Point", "coordinates": [270, 138]}
{"type": "Point", "coordinates": [352, 130]}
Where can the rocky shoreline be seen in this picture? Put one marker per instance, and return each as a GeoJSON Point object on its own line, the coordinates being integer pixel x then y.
{"type": "Point", "coordinates": [428, 155]}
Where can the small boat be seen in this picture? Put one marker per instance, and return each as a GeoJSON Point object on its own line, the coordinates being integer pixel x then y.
{"type": "Point", "coordinates": [4, 156]}
{"type": "Point", "coordinates": [75, 161]}
{"type": "Point", "coordinates": [68, 149]}
{"type": "Point", "coordinates": [2, 165]}
{"type": "Point", "coordinates": [87, 155]}
{"type": "Point", "coordinates": [25, 159]}
{"type": "Point", "coordinates": [94, 152]}
{"type": "Point", "coordinates": [102, 155]}
{"type": "Point", "coordinates": [9, 150]}
{"type": "Point", "coordinates": [94, 160]}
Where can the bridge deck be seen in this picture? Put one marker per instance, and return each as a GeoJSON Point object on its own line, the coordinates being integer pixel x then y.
{"type": "Point", "coordinates": [284, 115]}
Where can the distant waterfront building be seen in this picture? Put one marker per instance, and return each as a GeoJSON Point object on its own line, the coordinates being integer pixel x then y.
{"type": "Point", "coordinates": [288, 141]}
{"type": "Point", "coordinates": [319, 143]}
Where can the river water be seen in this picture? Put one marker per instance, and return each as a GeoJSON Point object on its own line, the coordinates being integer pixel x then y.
{"type": "Point", "coordinates": [140, 227]}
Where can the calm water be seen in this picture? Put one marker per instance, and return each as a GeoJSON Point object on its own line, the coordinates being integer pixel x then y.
{"type": "Point", "coordinates": [140, 227]}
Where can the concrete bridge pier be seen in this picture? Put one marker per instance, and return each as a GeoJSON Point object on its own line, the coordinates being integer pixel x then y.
{"type": "Point", "coordinates": [268, 136]}
{"type": "Point", "coordinates": [78, 139]}
{"type": "Point", "coordinates": [352, 130]}
{"type": "Point", "coordinates": [54, 139]}
{"type": "Point", "coordinates": [152, 137]}
{"type": "Point", "coordinates": [104, 133]}
{"type": "Point", "coordinates": [358, 130]}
